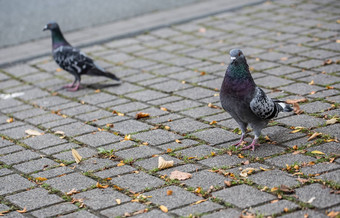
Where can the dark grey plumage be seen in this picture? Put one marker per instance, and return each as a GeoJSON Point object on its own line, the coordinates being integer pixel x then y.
{"type": "Point", "coordinates": [72, 59]}
{"type": "Point", "coordinates": [247, 103]}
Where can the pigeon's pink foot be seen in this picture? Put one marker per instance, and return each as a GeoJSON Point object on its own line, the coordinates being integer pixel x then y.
{"type": "Point", "coordinates": [74, 88]}
{"type": "Point", "coordinates": [239, 142]}
{"type": "Point", "coordinates": [251, 146]}
{"type": "Point", "coordinates": [68, 86]}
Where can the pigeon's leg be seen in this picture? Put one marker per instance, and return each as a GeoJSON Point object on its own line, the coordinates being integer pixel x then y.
{"type": "Point", "coordinates": [70, 85]}
{"type": "Point", "coordinates": [76, 83]}
{"type": "Point", "coordinates": [254, 142]}
{"type": "Point", "coordinates": [243, 127]}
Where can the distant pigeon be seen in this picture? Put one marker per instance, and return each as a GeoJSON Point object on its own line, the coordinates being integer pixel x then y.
{"type": "Point", "coordinates": [244, 101]}
{"type": "Point", "coordinates": [72, 59]}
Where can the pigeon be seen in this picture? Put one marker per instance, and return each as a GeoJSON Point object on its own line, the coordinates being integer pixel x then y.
{"type": "Point", "coordinates": [246, 102]}
{"type": "Point", "coordinates": [72, 59]}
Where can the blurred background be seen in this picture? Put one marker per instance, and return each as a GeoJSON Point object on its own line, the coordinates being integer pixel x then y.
{"type": "Point", "coordinates": [26, 19]}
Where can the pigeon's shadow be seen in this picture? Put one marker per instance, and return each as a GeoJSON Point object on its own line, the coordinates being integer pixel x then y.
{"type": "Point", "coordinates": [100, 86]}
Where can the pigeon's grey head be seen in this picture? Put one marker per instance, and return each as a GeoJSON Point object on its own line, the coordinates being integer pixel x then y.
{"type": "Point", "coordinates": [236, 55]}
{"type": "Point", "coordinates": [51, 26]}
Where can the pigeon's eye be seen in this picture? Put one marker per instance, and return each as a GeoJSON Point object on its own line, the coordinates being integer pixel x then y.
{"type": "Point", "coordinates": [239, 54]}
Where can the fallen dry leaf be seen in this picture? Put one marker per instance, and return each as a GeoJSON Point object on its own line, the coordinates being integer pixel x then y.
{"type": "Point", "coordinates": [97, 91]}
{"type": "Point", "coordinates": [296, 108]}
{"type": "Point", "coordinates": [163, 208]}
{"type": "Point", "coordinates": [316, 134]}
{"type": "Point", "coordinates": [311, 82]}
{"type": "Point", "coordinates": [127, 137]}
{"type": "Point", "coordinates": [286, 189]}
{"type": "Point", "coordinates": [227, 183]}
{"type": "Point", "coordinates": [291, 101]}
{"type": "Point", "coordinates": [40, 179]}
{"type": "Point", "coordinates": [167, 127]}
{"type": "Point", "coordinates": [331, 121]}
{"type": "Point", "coordinates": [164, 109]}
{"type": "Point", "coordinates": [274, 201]}
{"type": "Point", "coordinates": [98, 185]}
{"type": "Point", "coordinates": [142, 115]}
{"type": "Point", "coordinates": [118, 201]}
{"type": "Point", "coordinates": [198, 202]}
{"type": "Point", "coordinates": [202, 30]}
{"type": "Point", "coordinates": [214, 106]}
{"type": "Point", "coordinates": [213, 122]}
{"type": "Point", "coordinates": [58, 69]}
{"type": "Point", "coordinates": [333, 214]}
{"type": "Point", "coordinates": [162, 164]}
{"type": "Point", "coordinates": [178, 141]}
{"type": "Point", "coordinates": [22, 211]}
{"type": "Point", "coordinates": [119, 114]}
{"type": "Point", "coordinates": [311, 200]}
{"type": "Point", "coordinates": [303, 181]}
{"type": "Point", "coordinates": [33, 132]}
{"type": "Point", "coordinates": [59, 132]}
{"type": "Point", "coordinates": [247, 171]}
{"type": "Point", "coordinates": [202, 73]}
{"type": "Point", "coordinates": [169, 192]}
{"type": "Point", "coordinates": [248, 215]}
{"type": "Point", "coordinates": [72, 192]}
{"type": "Point", "coordinates": [285, 209]}
{"type": "Point", "coordinates": [2, 213]}
{"type": "Point", "coordinates": [76, 156]}
{"type": "Point", "coordinates": [284, 58]}
{"type": "Point", "coordinates": [264, 169]}
{"type": "Point", "coordinates": [10, 120]}
{"type": "Point", "coordinates": [327, 62]}
{"type": "Point", "coordinates": [120, 164]}
{"type": "Point", "coordinates": [110, 125]}
{"type": "Point", "coordinates": [317, 152]}
{"type": "Point", "coordinates": [180, 175]}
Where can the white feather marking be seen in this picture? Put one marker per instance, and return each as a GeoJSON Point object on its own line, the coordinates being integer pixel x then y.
{"type": "Point", "coordinates": [232, 58]}
{"type": "Point", "coordinates": [283, 105]}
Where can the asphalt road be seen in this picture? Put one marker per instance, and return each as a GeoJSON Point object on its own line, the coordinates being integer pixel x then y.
{"type": "Point", "coordinates": [22, 21]}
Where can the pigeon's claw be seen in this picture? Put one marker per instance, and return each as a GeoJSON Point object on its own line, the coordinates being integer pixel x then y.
{"type": "Point", "coordinates": [68, 86]}
{"type": "Point", "coordinates": [251, 146]}
{"type": "Point", "coordinates": [73, 89]}
{"type": "Point", "coordinates": [239, 142]}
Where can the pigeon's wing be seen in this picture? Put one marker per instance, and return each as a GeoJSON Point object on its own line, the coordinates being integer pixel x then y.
{"type": "Point", "coordinates": [72, 60]}
{"type": "Point", "coordinates": [263, 106]}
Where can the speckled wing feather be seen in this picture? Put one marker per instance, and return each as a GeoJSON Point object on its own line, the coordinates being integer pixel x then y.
{"type": "Point", "coordinates": [262, 106]}
{"type": "Point", "coordinates": [72, 60]}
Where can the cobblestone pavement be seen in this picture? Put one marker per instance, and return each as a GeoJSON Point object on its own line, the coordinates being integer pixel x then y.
{"type": "Point", "coordinates": [174, 74]}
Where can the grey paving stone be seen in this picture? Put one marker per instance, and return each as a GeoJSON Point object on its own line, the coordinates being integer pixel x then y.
{"type": "Point", "coordinates": [18, 132]}
{"type": "Point", "coordinates": [130, 126]}
{"type": "Point", "coordinates": [55, 210]}
{"type": "Point", "coordinates": [201, 112]}
{"type": "Point", "coordinates": [55, 172]}
{"type": "Point", "coordinates": [59, 148]}
{"type": "Point", "coordinates": [331, 176]}
{"type": "Point", "coordinates": [315, 107]}
{"type": "Point", "coordinates": [43, 141]}
{"type": "Point", "coordinates": [123, 209]}
{"type": "Point", "coordinates": [145, 181]}
{"type": "Point", "coordinates": [301, 88]}
{"type": "Point", "coordinates": [153, 213]}
{"type": "Point", "coordinates": [44, 119]}
{"type": "Point", "coordinates": [33, 94]}
{"type": "Point", "coordinates": [156, 137]}
{"type": "Point", "coordinates": [181, 105]}
{"type": "Point", "coordinates": [243, 196]}
{"type": "Point", "coordinates": [146, 95]}
{"type": "Point", "coordinates": [10, 149]}
{"type": "Point", "coordinates": [196, 93]}
{"type": "Point", "coordinates": [95, 115]}
{"type": "Point", "coordinates": [131, 106]}
{"type": "Point", "coordinates": [222, 161]}
{"type": "Point", "coordinates": [13, 183]}
{"type": "Point", "coordinates": [290, 159]}
{"type": "Point", "coordinates": [264, 150]}
{"type": "Point", "coordinates": [94, 164]}
{"type": "Point", "coordinates": [327, 148]}
{"type": "Point", "coordinates": [186, 125]}
{"type": "Point", "coordinates": [4, 143]}
{"type": "Point", "coordinates": [56, 123]}
{"type": "Point", "coordinates": [274, 208]}
{"type": "Point", "coordinates": [322, 196]}
{"type": "Point", "coordinates": [205, 179]}
{"type": "Point", "coordinates": [115, 171]}
{"type": "Point", "coordinates": [19, 157]}
{"type": "Point", "coordinates": [17, 108]}
{"type": "Point", "coordinates": [179, 197]}
{"type": "Point", "coordinates": [164, 100]}
{"type": "Point", "coordinates": [50, 101]}
{"type": "Point", "coordinates": [272, 81]}
{"type": "Point", "coordinates": [319, 168]}
{"type": "Point", "coordinates": [152, 163]}
{"type": "Point", "coordinates": [231, 212]}
{"type": "Point", "coordinates": [165, 119]}
{"type": "Point", "coordinates": [137, 152]}
{"type": "Point", "coordinates": [74, 129]}
{"type": "Point", "coordinates": [80, 213]}
{"type": "Point", "coordinates": [216, 136]}
{"type": "Point", "coordinates": [302, 213]}
{"type": "Point", "coordinates": [188, 168]}
{"type": "Point", "coordinates": [35, 165]}
{"type": "Point", "coordinates": [175, 145]}
{"type": "Point", "coordinates": [119, 145]}
{"type": "Point", "coordinates": [197, 209]}
{"type": "Point", "coordinates": [101, 198]}
{"type": "Point", "coordinates": [5, 171]}
{"type": "Point", "coordinates": [273, 178]}
{"type": "Point", "coordinates": [332, 130]}
{"type": "Point", "coordinates": [97, 98]}
{"type": "Point", "coordinates": [197, 151]}
{"type": "Point", "coordinates": [170, 86]}
{"type": "Point", "coordinates": [29, 113]}
{"type": "Point", "coordinates": [71, 181]}
{"type": "Point", "coordinates": [78, 110]}
{"type": "Point", "coordinates": [302, 120]}
{"type": "Point", "coordinates": [67, 155]}
{"type": "Point", "coordinates": [98, 139]}
{"type": "Point", "coordinates": [34, 199]}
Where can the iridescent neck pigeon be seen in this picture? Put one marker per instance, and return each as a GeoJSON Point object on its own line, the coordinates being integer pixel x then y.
{"type": "Point", "coordinates": [72, 59]}
{"type": "Point", "coordinates": [244, 101]}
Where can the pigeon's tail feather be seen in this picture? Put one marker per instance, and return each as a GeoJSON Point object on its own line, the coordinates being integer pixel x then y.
{"type": "Point", "coordinates": [98, 72]}
{"type": "Point", "coordinates": [285, 107]}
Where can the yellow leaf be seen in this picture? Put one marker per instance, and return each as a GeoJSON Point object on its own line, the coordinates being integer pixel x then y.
{"type": "Point", "coordinates": [22, 211]}
{"type": "Point", "coordinates": [202, 73]}
{"type": "Point", "coordinates": [212, 153]}
{"type": "Point", "coordinates": [33, 132]}
{"type": "Point", "coordinates": [127, 137]}
{"type": "Point", "coordinates": [264, 169]}
{"type": "Point", "coordinates": [119, 114]}
{"type": "Point", "coordinates": [274, 189]}
{"type": "Point", "coordinates": [331, 121]}
{"type": "Point", "coordinates": [316, 134]}
{"type": "Point", "coordinates": [213, 122]}
{"type": "Point", "coordinates": [118, 201]}
{"type": "Point", "coordinates": [2, 213]}
{"type": "Point", "coordinates": [295, 147]}
{"type": "Point", "coordinates": [285, 209]}
{"type": "Point", "coordinates": [274, 201]}
{"type": "Point", "coordinates": [167, 127]}
{"type": "Point", "coordinates": [97, 90]}
{"type": "Point", "coordinates": [295, 131]}
{"type": "Point", "coordinates": [200, 201]}
{"type": "Point", "coordinates": [240, 156]}
{"type": "Point", "coordinates": [40, 179]}
{"type": "Point", "coordinates": [168, 150]}
{"type": "Point", "coordinates": [76, 156]}
{"type": "Point", "coordinates": [98, 185]}
{"type": "Point", "coordinates": [142, 115]}
{"type": "Point", "coordinates": [183, 82]}
{"type": "Point", "coordinates": [317, 152]}
{"type": "Point", "coordinates": [169, 192]}
{"type": "Point", "coordinates": [338, 41]}
{"type": "Point", "coordinates": [58, 69]}
{"type": "Point", "coordinates": [313, 92]}
{"type": "Point", "coordinates": [311, 82]}
{"type": "Point", "coordinates": [10, 120]}
{"type": "Point", "coordinates": [163, 208]}
{"type": "Point", "coordinates": [120, 164]}
{"type": "Point", "coordinates": [162, 164]}
{"type": "Point", "coordinates": [247, 171]}
{"type": "Point", "coordinates": [164, 109]}
{"type": "Point", "coordinates": [198, 190]}
{"type": "Point", "coordinates": [178, 141]}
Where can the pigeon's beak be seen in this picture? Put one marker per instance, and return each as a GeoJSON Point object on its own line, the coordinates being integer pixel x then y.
{"type": "Point", "coordinates": [45, 28]}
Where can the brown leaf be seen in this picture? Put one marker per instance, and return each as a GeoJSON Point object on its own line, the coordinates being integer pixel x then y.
{"type": "Point", "coordinates": [202, 73]}
{"type": "Point", "coordinates": [33, 132]}
{"type": "Point", "coordinates": [178, 141]}
{"type": "Point", "coordinates": [98, 185]}
{"type": "Point", "coordinates": [333, 214]}
{"type": "Point", "coordinates": [22, 211]}
{"type": "Point", "coordinates": [142, 115]}
{"type": "Point", "coordinates": [331, 121]}
{"type": "Point", "coordinates": [286, 189]}
{"type": "Point", "coordinates": [10, 120]}
{"type": "Point", "coordinates": [110, 125]}
{"type": "Point", "coordinates": [227, 183]}
{"type": "Point", "coordinates": [2, 213]}
{"type": "Point", "coordinates": [162, 164]}
{"type": "Point", "coordinates": [327, 62]}
{"type": "Point", "coordinates": [311, 82]}
{"type": "Point", "coordinates": [303, 181]}
{"type": "Point", "coordinates": [291, 101]}
{"type": "Point", "coordinates": [247, 171]}
{"type": "Point", "coordinates": [76, 156]}
{"type": "Point", "coordinates": [248, 215]}
{"type": "Point", "coordinates": [180, 175]}
{"type": "Point", "coordinates": [213, 122]}
{"type": "Point", "coordinates": [214, 106]}
{"type": "Point", "coordinates": [119, 114]}
{"type": "Point", "coordinates": [202, 30]}
{"type": "Point", "coordinates": [198, 202]}
{"type": "Point", "coordinates": [40, 179]}
{"type": "Point", "coordinates": [169, 192]}
{"type": "Point", "coordinates": [163, 208]}
{"type": "Point", "coordinates": [297, 109]}
{"type": "Point", "coordinates": [164, 109]}
{"type": "Point", "coordinates": [97, 91]}
{"type": "Point", "coordinates": [284, 58]}
{"type": "Point", "coordinates": [316, 134]}
{"type": "Point", "coordinates": [72, 192]}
